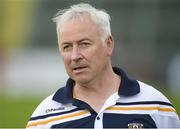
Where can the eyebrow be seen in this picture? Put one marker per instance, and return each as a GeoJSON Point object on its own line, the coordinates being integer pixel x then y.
{"type": "Point", "coordinates": [64, 43]}
{"type": "Point", "coordinates": [84, 40]}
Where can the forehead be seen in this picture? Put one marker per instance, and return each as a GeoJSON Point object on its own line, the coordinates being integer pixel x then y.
{"type": "Point", "coordinates": [81, 27]}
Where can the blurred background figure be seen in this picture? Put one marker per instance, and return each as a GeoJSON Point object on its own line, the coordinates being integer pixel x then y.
{"type": "Point", "coordinates": [147, 42]}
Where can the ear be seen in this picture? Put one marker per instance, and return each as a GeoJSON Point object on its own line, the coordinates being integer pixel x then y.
{"type": "Point", "coordinates": [110, 45]}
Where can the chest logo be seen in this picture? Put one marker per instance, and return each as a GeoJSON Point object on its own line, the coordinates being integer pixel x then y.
{"type": "Point", "coordinates": [54, 109]}
{"type": "Point", "coordinates": [135, 126]}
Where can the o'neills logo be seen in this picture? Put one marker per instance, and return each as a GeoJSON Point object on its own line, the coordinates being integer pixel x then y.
{"type": "Point", "coordinates": [135, 126]}
{"type": "Point", "coordinates": [54, 109]}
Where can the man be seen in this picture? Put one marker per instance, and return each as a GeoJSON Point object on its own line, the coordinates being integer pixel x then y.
{"type": "Point", "coordinates": [98, 95]}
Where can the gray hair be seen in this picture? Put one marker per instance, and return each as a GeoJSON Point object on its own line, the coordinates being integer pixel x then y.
{"type": "Point", "coordinates": [99, 17]}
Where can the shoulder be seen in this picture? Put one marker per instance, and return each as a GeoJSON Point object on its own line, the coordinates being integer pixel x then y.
{"type": "Point", "coordinates": [50, 106]}
{"type": "Point", "coordinates": [149, 93]}
{"type": "Point", "coordinates": [45, 106]}
{"type": "Point", "coordinates": [165, 116]}
{"type": "Point", "coordinates": [150, 100]}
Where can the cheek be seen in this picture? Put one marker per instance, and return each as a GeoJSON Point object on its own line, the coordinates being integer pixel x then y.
{"type": "Point", "coordinates": [96, 56]}
{"type": "Point", "coordinates": [67, 62]}
{"type": "Point", "coordinates": [66, 59]}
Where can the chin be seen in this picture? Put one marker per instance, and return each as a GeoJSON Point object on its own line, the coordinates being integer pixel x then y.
{"type": "Point", "coordinates": [82, 80]}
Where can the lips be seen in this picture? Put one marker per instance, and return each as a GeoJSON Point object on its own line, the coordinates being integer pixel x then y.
{"type": "Point", "coordinates": [79, 68]}
{"type": "Point", "coordinates": [76, 68]}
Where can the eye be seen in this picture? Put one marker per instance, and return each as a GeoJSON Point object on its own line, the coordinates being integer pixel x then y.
{"type": "Point", "coordinates": [84, 44]}
{"type": "Point", "coordinates": [66, 47]}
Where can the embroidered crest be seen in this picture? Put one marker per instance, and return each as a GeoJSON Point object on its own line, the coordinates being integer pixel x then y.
{"type": "Point", "coordinates": [135, 126]}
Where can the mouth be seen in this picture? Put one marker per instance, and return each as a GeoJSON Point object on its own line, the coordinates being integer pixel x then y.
{"type": "Point", "coordinates": [79, 69]}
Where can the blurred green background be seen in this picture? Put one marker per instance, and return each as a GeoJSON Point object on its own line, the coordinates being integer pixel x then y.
{"type": "Point", "coordinates": [147, 46]}
{"type": "Point", "coordinates": [15, 113]}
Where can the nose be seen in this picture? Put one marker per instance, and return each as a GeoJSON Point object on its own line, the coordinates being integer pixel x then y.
{"type": "Point", "coordinates": [76, 55]}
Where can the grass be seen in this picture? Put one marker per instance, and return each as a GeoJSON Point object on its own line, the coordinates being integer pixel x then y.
{"type": "Point", "coordinates": [14, 113]}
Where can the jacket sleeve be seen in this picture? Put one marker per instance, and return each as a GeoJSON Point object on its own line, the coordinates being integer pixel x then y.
{"type": "Point", "coordinates": [169, 120]}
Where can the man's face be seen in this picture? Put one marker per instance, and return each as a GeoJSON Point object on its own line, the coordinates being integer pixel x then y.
{"type": "Point", "coordinates": [84, 55]}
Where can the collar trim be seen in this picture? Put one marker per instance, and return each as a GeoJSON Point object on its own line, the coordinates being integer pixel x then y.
{"type": "Point", "coordinates": [128, 87]}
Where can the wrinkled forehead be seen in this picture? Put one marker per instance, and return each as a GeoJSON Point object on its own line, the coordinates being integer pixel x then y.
{"type": "Point", "coordinates": [77, 28]}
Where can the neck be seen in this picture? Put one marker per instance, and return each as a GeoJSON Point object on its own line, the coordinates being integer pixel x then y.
{"type": "Point", "coordinates": [101, 88]}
